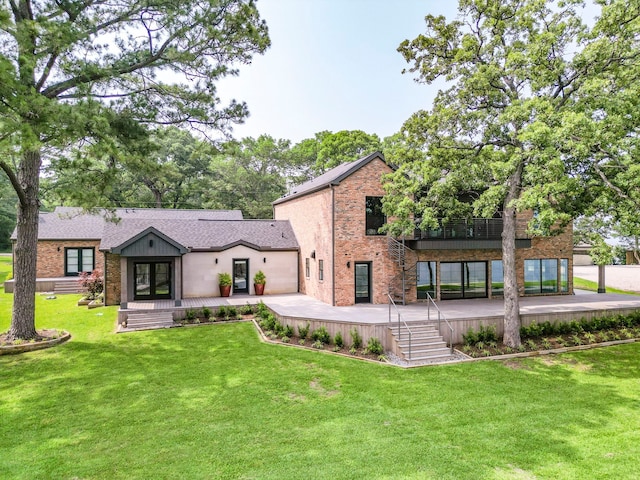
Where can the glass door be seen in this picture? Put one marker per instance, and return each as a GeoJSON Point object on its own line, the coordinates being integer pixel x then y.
{"type": "Point", "coordinates": [363, 282]}
{"type": "Point", "coordinates": [152, 280]}
{"type": "Point", "coordinates": [241, 276]}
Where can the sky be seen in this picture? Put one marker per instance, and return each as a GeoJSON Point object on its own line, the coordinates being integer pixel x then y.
{"type": "Point", "coordinates": [333, 65]}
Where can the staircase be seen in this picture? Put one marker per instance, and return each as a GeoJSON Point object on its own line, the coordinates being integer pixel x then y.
{"type": "Point", "coordinates": [420, 343]}
{"type": "Point", "coordinates": [149, 320]}
{"type": "Point", "coordinates": [67, 286]}
{"type": "Point", "coordinates": [407, 280]}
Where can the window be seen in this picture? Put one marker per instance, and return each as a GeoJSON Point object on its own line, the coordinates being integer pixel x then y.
{"type": "Point", "coordinates": [426, 276]}
{"type": "Point", "coordinates": [541, 275]}
{"type": "Point", "coordinates": [321, 270]}
{"type": "Point", "coordinates": [307, 268]}
{"type": "Point", "coordinates": [497, 278]}
{"type": "Point", "coordinates": [463, 280]}
{"type": "Point", "coordinates": [375, 217]}
{"type": "Point", "coordinates": [564, 275]}
{"type": "Point", "coordinates": [78, 260]}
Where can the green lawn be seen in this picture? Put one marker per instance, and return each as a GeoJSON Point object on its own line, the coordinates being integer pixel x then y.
{"type": "Point", "coordinates": [6, 264]}
{"type": "Point", "coordinates": [582, 284]}
{"type": "Point", "coordinates": [214, 402]}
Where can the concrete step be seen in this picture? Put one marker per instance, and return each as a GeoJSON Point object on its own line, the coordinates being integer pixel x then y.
{"type": "Point", "coordinates": [433, 343]}
{"type": "Point", "coordinates": [70, 286]}
{"type": "Point", "coordinates": [149, 320]}
{"type": "Point", "coordinates": [415, 359]}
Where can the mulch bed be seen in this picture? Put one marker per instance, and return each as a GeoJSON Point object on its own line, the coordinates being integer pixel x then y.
{"type": "Point", "coordinates": [44, 339]}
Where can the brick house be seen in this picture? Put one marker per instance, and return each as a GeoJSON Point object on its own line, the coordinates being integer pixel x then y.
{"type": "Point", "coordinates": [166, 254]}
{"type": "Point", "coordinates": [345, 260]}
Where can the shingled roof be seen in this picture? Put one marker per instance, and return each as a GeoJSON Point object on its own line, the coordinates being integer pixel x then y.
{"type": "Point", "coordinates": [206, 235]}
{"type": "Point", "coordinates": [71, 223]}
{"type": "Point", "coordinates": [332, 177]}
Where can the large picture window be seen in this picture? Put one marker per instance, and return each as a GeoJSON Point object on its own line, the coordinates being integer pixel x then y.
{"type": "Point", "coordinates": [78, 260]}
{"type": "Point", "coordinates": [463, 280]}
{"type": "Point", "coordinates": [426, 277]}
{"type": "Point", "coordinates": [541, 276]}
{"type": "Point", "coordinates": [497, 278]}
{"type": "Point", "coordinates": [564, 275]}
{"type": "Point", "coordinates": [375, 217]}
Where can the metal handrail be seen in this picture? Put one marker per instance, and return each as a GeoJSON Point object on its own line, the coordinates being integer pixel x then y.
{"type": "Point", "coordinates": [440, 315]}
{"type": "Point", "coordinates": [400, 319]}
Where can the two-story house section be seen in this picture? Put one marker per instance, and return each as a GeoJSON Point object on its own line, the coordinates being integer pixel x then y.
{"type": "Point", "coordinates": [344, 259]}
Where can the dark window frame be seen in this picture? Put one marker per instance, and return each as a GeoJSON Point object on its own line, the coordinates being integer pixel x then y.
{"type": "Point", "coordinates": [79, 249]}
{"type": "Point", "coordinates": [374, 218]}
{"type": "Point", "coordinates": [307, 267]}
{"type": "Point", "coordinates": [152, 280]}
{"type": "Point", "coordinates": [321, 270]}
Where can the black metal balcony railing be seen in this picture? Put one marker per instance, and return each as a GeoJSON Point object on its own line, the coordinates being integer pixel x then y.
{"type": "Point", "coordinates": [473, 229]}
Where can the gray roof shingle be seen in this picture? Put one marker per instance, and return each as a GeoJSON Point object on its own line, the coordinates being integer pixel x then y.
{"type": "Point", "coordinates": [212, 235]}
{"type": "Point", "coordinates": [71, 223]}
{"type": "Point", "coordinates": [332, 177]}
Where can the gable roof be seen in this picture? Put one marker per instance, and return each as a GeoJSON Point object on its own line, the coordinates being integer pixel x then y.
{"type": "Point", "coordinates": [203, 234]}
{"type": "Point", "coordinates": [332, 177]}
{"type": "Point", "coordinates": [72, 223]}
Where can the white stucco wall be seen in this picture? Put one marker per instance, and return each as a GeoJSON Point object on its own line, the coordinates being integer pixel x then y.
{"type": "Point", "coordinates": [200, 271]}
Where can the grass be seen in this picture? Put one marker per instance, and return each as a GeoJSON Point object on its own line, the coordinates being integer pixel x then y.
{"type": "Point", "coordinates": [582, 284]}
{"type": "Point", "coordinates": [6, 264]}
{"type": "Point", "coordinates": [215, 402]}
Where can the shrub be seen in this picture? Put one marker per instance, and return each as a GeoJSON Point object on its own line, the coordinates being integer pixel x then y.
{"type": "Point", "coordinates": [224, 279]}
{"type": "Point", "coordinates": [285, 339]}
{"type": "Point", "coordinates": [288, 331]}
{"type": "Point", "coordinates": [268, 322]}
{"type": "Point", "coordinates": [301, 341]}
{"type": "Point", "coordinates": [278, 327]}
{"type": "Point", "coordinates": [470, 338]}
{"type": "Point", "coordinates": [206, 312]}
{"type": "Point", "coordinates": [546, 344]}
{"type": "Point", "coordinates": [356, 339]}
{"type": "Point", "coordinates": [353, 350]}
{"type": "Point", "coordinates": [190, 315]}
{"type": "Point", "coordinates": [262, 310]}
{"type": "Point", "coordinates": [318, 344]}
{"type": "Point", "coordinates": [531, 345]}
{"type": "Point", "coordinates": [246, 309]}
{"type": "Point", "coordinates": [92, 282]}
{"type": "Point", "coordinates": [232, 311]}
{"type": "Point", "coordinates": [374, 346]}
{"type": "Point", "coordinates": [338, 340]}
{"type": "Point", "coordinates": [303, 331]}
{"type": "Point", "coordinates": [221, 312]}
{"type": "Point", "coordinates": [321, 335]}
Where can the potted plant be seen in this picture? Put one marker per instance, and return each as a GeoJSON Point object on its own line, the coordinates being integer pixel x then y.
{"type": "Point", "coordinates": [224, 282]}
{"type": "Point", "coordinates": [259, 281]}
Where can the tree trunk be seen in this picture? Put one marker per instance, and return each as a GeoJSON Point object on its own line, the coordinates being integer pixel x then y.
{"type": "Point", "coordinates": [511, 336]}
{"type": "Point", "coordinates": [23, 316]}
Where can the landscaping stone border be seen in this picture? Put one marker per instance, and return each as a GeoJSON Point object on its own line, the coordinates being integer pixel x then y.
{"type": "Point", "coordinates": [31, 347]}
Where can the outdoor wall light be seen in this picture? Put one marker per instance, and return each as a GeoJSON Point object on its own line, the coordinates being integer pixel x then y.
{"type": "Point", "coordinates": [264, 259]}
{"type": "Point", "coordinates": [348, 264]}
{"type": "Point", "coordinates": [216, 261]}
{"type": "Point", "coordinates": [58, 248]}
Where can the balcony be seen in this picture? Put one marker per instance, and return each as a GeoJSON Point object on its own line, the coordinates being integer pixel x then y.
{"type": "Point", "coordinates": [476, 233]}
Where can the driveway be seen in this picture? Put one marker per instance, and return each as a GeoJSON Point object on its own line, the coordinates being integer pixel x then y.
{"type": "Point", "coordinates": [624, 277]}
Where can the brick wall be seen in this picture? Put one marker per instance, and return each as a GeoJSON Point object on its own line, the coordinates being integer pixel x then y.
{"type": "Point", "coordinates": [112, 281]}
{"type": "Point", "coordinates": [311, 219]}
{"type": "Point", "coordinates": [352, 244]}
{"type": "Point", "coordinates": [50, 254]}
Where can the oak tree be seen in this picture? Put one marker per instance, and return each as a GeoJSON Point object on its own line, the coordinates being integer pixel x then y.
{"type": "Point", "coordinates": [510, 132]}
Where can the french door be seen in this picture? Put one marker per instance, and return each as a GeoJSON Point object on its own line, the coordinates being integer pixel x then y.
{"type": "Point", "coordinates": [241, 275]}
{"type": "Point", "coordinates": [152, 280]}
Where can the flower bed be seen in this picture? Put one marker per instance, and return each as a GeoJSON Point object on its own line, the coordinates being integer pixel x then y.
{"type": "Point", "coordinates": [547, 336]}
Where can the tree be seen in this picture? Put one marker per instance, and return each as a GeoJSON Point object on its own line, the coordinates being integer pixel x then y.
{"type": "Point", "coordinates": [496, 139]}
{"type": "Point", "coordinates": [250, 174]}
{"type": "Point", "coordinates": [75, 71]}
{"type": "Point", "coordinates": [8, 201]}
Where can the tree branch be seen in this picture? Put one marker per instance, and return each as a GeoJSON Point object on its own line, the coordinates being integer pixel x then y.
{"type": "Point", "coordinates": [14, 182]}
